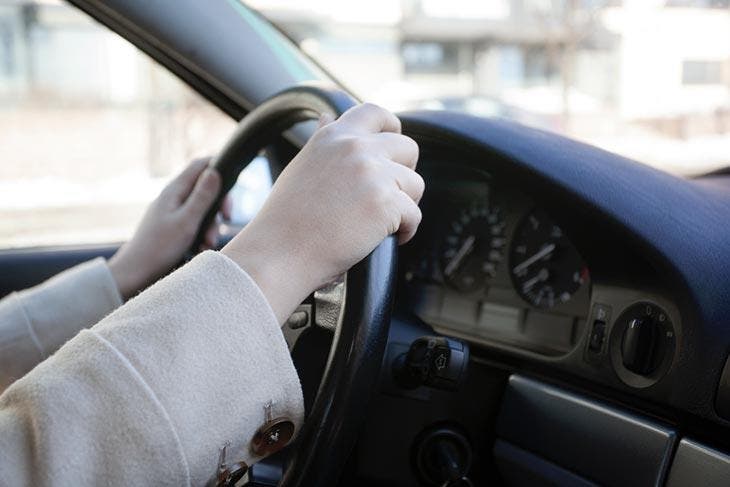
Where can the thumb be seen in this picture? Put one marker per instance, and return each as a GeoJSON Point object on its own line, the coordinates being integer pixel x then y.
{"type": "Point", "coordinates": [203, 195]}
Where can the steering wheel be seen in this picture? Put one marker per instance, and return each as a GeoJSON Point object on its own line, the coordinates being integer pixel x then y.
{"type": "Point", "coordinates": [330, 430]}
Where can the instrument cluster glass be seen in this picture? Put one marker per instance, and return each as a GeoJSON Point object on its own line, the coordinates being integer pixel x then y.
{"type": "Point", "coordinates": [489, 264]}
{"type": "Point", "coordinates": [545, 266]}
{"type": "Point", "coordinates": [469, 244]}
{"type": "Point", "coordinates": [473, 247]}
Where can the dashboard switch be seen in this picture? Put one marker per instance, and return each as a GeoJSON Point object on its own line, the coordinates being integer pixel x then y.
{"type": "Point", "coordinates": [436, 362]}
{"type": "Point", "coordinates": [598, 336]}
{"type": "Point", "coordinates": [639, 345]}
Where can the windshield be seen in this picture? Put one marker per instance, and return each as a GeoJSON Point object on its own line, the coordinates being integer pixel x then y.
{"type": "Point", "coordinates": [648, 79]}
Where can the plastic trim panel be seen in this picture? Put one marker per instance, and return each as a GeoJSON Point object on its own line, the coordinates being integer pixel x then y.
{"type": "Point", "coordinates": [696, 464]}
{"type": "Point", "coordinates": [520, 467]}
{"type": "Point", "coordinates": [600, 443]}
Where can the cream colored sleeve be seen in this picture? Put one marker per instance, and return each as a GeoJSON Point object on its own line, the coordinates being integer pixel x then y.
{"type": "Point", "coordinates": [35, 323]}
{"type": "Point", "coordinates": [150, 394]}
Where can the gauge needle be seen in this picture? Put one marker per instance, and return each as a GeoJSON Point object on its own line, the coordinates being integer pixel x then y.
{"type": "Point", "coordinates": [540, 277]}
{"type": "Point", "coordinates": [545, 251]}
{"type": "Point", "coordinates": [460, 254]}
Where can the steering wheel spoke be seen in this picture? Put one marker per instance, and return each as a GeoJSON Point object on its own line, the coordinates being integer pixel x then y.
{"type": "Point", "coordinates": [322, 309]}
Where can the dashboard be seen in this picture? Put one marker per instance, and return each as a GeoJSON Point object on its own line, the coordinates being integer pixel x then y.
{"type": "Point", "coordinates": [516, 267]}
{"type": "Point", "coordinates": [491, 265]}
{"type": "Point", "coordinates": [592, 292]}
{"type": "Point", "coordinates": [588, 295]}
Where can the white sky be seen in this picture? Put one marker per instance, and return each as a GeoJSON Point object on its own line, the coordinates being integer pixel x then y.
{"type": "Point", "coordinates": [370, 11]}
{"type": "Point", "coordinates": [388, 11]}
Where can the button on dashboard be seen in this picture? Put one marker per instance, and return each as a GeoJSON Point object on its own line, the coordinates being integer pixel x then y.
{"type": "Point", "coordinates": [598, 336]}
{"type": "Point", "coordinates": [599, 319]}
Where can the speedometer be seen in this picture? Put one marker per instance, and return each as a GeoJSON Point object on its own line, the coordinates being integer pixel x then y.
{"type": "Point", "coordinates": [472, 248]}
{"type": "Point", "coordinates": [546, 268]}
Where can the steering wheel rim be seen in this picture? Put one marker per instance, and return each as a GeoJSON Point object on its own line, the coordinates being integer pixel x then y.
{"type": "Point", "coordinates": [330, 430]}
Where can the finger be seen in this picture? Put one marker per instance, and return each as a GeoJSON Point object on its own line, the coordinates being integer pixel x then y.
{"type": "Point", "coordinates": [203, 194]}
{"type": "Point", "coordinates": [410, 182]}
{"type": "Point", "coordinates": [227, 207]}
{"type": "Point", "coordinates": [181, 186]}
{"type": "Point", "coordinates": [370, 118]}
{"type": "Point", "coordinates": [399, 148]}
{"type": "Point", "coordinates": [410, 217]}
{"type": "Point", "coordinates": [210, 240]}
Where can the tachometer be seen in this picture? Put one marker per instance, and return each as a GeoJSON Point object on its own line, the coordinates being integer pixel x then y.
{"type": "Point", "coordinates": [545, 266]}
{"type": "Point", "coordinates": [472, 248]}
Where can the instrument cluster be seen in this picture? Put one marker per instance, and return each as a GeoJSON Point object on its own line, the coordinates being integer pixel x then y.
{"type": "Point", "coordinates": [490, 264]}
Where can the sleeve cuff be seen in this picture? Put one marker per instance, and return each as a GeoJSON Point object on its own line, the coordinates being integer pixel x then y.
{"type": "Point", "coordinates": [74, 299]}
{"type": "Point", "coordinates": [206, 343]}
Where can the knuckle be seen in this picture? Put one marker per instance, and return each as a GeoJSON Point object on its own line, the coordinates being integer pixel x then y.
{"type": "Point", "coordinates": [410, 150]}
{"type": "Point", "coordinates": [354, 146]}
{"type": "Point", "coordinates": [420, 184]}
{"type": "Point", "coordinates": [370, 106]}
{"type": "Point", "coordinates": [381, 113]}
{"type": "Point", "coordinates": [378, 197]}
{"type": "Point", "coordinates": [326, 132]}
{"type": "Point", "coordinates": [366, 171]}
{"type": "Point", "coordinates": [414, 148]}
{"type": "Point", "coordinates": [418, 216]}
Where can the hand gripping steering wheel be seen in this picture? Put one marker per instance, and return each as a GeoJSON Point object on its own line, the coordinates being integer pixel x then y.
{"type": "Point", "coordinates": [329, 432]}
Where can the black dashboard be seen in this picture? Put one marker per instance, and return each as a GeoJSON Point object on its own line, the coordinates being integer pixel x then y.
{"type": "Point", "coordinates": [512, 268]}
{"type": "Point", "coordinates": [594, 294]}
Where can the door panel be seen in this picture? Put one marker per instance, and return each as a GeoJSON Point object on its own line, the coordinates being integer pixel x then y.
{"type": "Point", "coordinates": [21, 269]}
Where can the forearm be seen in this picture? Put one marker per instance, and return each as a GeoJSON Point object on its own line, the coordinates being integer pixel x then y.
{"type": "Point", "coordinates": [280, 272]}
{"type": "Point", "coordinates": [34, 323]}
{"type": "Point", "coordinates": [151, 393]}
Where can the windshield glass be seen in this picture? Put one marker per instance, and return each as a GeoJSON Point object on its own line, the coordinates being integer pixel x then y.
{"type": "Point", "coordinates": [649, 79]}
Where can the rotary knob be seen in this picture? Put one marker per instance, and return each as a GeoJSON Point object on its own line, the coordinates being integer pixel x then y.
{"type": "Point", "coordinates": [639, 346]}
{"type": "Point", "coordinates": [642, 344]}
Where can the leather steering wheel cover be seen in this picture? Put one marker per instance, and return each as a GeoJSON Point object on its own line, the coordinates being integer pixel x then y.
{"type": "Point", "coordinates": [330, 431]}
{"type": "Point", "coordinates": [351, 373]}
{"type": "Point", "coordinates": [261, 127]}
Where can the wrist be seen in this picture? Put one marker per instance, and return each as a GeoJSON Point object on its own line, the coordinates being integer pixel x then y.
{"type": "Point", "coordinates": [128, 283]}
{"type": "Point", "coordinates": [120, 277]}
{"type": "Point", "coordinates": [279, 272]}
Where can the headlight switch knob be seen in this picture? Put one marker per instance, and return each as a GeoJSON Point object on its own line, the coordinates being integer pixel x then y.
{"type": "Point", "coordinates": [639, 345]}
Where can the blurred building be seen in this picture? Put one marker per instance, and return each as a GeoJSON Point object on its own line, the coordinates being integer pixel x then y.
{"type": "Point", "coordinates": [90, 127]}
{"type": "Point", "coordinates": [614, 72]}
{"type": "Point", "coordinates": [50, 52]}
{"type": "Point", "coordinates": [664, 63]}
{"type": "Point", "coordinates": [674, 64]}
{"type": "Point", "coordinates": [53, 57]}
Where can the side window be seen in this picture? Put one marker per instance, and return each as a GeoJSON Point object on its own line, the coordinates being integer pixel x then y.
{"type": "Point", "coordinates": [91, 129]}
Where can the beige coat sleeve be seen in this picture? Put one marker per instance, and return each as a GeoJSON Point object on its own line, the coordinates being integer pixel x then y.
{"type": "Point", "coordinates": [150, 394]}
{"type": "Point", "coordinates": [35, 323]}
